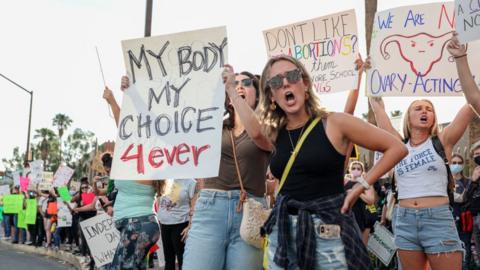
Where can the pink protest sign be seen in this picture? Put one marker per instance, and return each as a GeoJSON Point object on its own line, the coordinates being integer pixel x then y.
{"type": "Point", "coordinates": [24, 181]}
{"type": "Point", "coordinates": [87, 198]}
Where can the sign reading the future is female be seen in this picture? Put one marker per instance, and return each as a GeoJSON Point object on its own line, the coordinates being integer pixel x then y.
{"type": "Point", "coordinates": [409, 52]}
{"type": "Point", "coordinates": [327, 46]}
{"type": "Point", "coordinates": [171, 118]}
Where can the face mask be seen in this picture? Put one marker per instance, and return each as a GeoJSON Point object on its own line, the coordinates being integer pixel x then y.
{"type": "Point", "coordinates": [356, 173]}
{"type": "Point", "coordinates": [477, 160]}
{"type": "Point", "coordinates": [456, 168]}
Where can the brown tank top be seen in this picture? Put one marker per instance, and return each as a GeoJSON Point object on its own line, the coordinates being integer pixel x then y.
{"type": "Point", "coordinates": [252, 162]}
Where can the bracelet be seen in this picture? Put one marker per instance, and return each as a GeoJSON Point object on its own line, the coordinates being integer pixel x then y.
{"type": "Point", "coordinates": [460, 56]}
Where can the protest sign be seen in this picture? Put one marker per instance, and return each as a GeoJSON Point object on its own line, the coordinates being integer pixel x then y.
{"type": "Point", "coordinates": [467, 21]}
{"type": "Point", "coordinates": [47, 176]}
{"type": "Point", "coordinates": [24, 182]}
{"type": "Point", "coordinates": [87, 198]}
{"type": "Point", "coordinates": [45, 185]}
{"type": "Point", "coordinates": [64, 216]}
{"type": "Point", "coordinates": [381, 243]}
{"type": "Point", "coordinates": [409, 52]}
{"type": "Point", "coordinates": [171, 119]}
{"type": "Point", "coordinates": [21, 219]}
{"type": "Point", "coordinates": [31, 211]}
{"type": "Point", "coordinates": [16, 178]}
{"type": "Point", "coordinates": [62, 176]}
{"type": "Point", "coordinates": [36, 171]}
{"type": "Point", "coordinates": [1, 213]}
{"type": "Point", "coordinates": [102, 238]}
{"type": "Point", "coordinates": [12, 204]}
{"type": "Point", "coordinates": [4, 189]}
{"type": "Point", "coordinates": [327, 46]}
{"type": "Point", "coordinates": [74, 186]}
{"type": "Point", "coordinates": [64, 194]}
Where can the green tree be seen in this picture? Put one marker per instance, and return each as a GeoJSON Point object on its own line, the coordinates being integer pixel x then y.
{"type": "Point", "coordinates": [62, 122]}
{"type": "Point", "coordinates": [48, 146]}
{"type": "Point", "coordinates": [78, 148]}
{"type": "Point", "coordinates": [16, 162]}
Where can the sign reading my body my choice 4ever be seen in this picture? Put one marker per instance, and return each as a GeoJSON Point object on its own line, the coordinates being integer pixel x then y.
{"type": "Point", "coordinates": [171, 117]}
{"type": "Point", "coordinates": [327, 46]}
{"type": "Point", "coordinates": [409, 52]}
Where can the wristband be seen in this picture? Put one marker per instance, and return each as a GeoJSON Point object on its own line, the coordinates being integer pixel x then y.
{"type": "Point", "coordinates": [460, 56]}
{"type": "Point", "coordinates": [363, 182]}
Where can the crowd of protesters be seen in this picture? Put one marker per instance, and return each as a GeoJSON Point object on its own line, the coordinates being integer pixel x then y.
{"type": "Point", "coordinates": [325, 207]}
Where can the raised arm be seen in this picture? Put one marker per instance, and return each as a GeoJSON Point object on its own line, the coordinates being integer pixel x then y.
{"type": "Point", "coordinates": [454, 131]}
{"type": "Point", "coordinates": [245, 112]}
{"type": "Point", "coordinates": [383, 122]}
{"type": "Point", "coordinates": [353, 94]}
{"type": "Point", "coordinates": [110, 98]}
{"type": "Point", "coordinates": [469, 87]}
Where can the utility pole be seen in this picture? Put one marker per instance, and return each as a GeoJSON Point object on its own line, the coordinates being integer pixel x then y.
{"type": "Point", "coordinates": [370, 10]}
{"type": "Point", "coordinates": [25, 163]}
{"type": "Point", "coordinates": [148, 18]}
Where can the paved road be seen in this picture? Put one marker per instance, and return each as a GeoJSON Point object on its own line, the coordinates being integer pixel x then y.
{"type": "Point", "coordinates": [17, 260]}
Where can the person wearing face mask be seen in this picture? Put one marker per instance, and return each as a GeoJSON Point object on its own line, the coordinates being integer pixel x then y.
{"type": "Point", "coordinates": [461, 206]}
{"type": "Point", "coordinates": [356, 169]}
{"type": "Point", "coordinates": [474, 195]}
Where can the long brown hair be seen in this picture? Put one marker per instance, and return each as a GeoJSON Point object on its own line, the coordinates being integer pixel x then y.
{"type": "Point", "coordinates": [273, 120]}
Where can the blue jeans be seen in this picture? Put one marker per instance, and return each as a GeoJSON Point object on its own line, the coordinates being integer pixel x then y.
{"type": "Point", "coordinates": [18, 231]}
{"type": "Point", "coordinates": [330, 253]}
{"type": "Point", "coordinates": [57, 239]}
{"type": "Point", "coordinates": [7, 224]}
{"type": "Point", "coordinates": [214, 241]}
{"type": "Point", "coordinates": [430, 230]}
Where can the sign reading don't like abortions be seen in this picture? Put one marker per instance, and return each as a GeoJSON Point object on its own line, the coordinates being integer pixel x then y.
{"type": "Point", "coordinates": [409, 52]}
{"type": "Point", "coordinates": [171, 117]}
{"type": "Point", "coordinates": [327, 46]}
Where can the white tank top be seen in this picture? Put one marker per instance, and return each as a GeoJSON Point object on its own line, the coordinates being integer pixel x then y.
{"type": "Point", "coordinates": [422, 173]}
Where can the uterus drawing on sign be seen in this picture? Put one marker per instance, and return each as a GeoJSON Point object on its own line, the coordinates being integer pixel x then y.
{"type": "Point", "coordinates": [422, 50]}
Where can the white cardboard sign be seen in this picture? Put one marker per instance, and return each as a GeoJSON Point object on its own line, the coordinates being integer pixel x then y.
{"type": "Point", "coordinates": [381, 243]}
{"type": "Point", "coordinates": [102, 238]}
{"type": "Point", "coordinates": [327, 46]}
{"type": "Point", "coordinates": [62, 176]}
{"type": "Point", "coordinates": [171, 119]}
{"type": "Point", "coordinates": [64, 216]}
{"type": "Point", "coordinates": [36, 171]}
{"type": "Point", "coordinates": [467, 21]}
{"type": "Point", "coordinates": [4, 190]}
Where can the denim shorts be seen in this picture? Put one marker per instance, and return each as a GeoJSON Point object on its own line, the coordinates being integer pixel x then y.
{"type": "Point", "coordinates": [329, 254]}
{"type": "Point", "coordinates": [431, 230]}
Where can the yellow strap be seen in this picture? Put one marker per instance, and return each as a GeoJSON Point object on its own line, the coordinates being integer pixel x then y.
{"type": "Point", "coordinates": [295, 152]}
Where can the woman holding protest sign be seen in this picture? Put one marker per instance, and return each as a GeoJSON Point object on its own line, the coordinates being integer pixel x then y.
{"type": "Point", "coordinates": [425, 202]}
{"type": "Point", "coordinates": [133, 210]}
{"type": "Point", "coordinates": [469, 87]}
{"type": "Point", "coordinates": [214, 240]}
{"type": "Point", "coordinates": [311, 226]}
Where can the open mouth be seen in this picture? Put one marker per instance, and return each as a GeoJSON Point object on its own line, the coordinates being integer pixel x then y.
{"type": "Point", "coordinates": [242, 96]}
{"type": "Point", "coordinates": [289, 96]}
{"type": "Point", "coordinates": [423, 119]}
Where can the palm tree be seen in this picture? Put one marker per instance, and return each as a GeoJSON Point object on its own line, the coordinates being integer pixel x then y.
{"type": "Point", "coordinates": [47, 137]}
{"type": "Point", "coordinates": [62, 122]}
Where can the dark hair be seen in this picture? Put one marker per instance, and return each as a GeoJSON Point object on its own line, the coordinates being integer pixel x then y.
{"type": "Point", "coordinates": [230, 121]}
{"type": "Point", "coordinates": [84, 180]}
{"type": "Point", "coordinates": [107, 160]}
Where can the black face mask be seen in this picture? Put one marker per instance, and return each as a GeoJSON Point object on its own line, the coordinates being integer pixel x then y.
{"type": "Point", "coordinates": [477, 160]}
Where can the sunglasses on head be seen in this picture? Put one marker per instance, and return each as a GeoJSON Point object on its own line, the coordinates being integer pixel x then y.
{"type": "Point", "coordinates": [245, 82]}
{"type": "Point", "coordinates": [292, 76]}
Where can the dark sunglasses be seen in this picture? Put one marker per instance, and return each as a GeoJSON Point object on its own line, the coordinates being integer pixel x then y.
{"type": "Point", "coordinates": [84, 187]}
{"type": "Point", "coordinates": [245, 82]}
{"type": "Point", "coordinates": [292, 76]}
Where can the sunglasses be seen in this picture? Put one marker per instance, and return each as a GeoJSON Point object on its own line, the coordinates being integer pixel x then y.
{"type": "Point", "coordinates": [292, 76]}
{"type": "Point", "coordinates": [457, 162]}
{"type": "Point", "coordinates": [245, 82]}
{"type": "Point", "coordinates": [84, 187]}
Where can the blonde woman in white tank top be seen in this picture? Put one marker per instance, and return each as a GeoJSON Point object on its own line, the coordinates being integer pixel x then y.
{"type": "Point", "coordinates": [423, 224]}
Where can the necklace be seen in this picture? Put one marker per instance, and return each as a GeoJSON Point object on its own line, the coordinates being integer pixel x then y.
{"type": "Point", "coordinates": [291, 141]}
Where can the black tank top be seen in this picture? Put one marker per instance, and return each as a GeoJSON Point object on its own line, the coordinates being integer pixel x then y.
{"type": "Point", "coordinates": [318, 169]}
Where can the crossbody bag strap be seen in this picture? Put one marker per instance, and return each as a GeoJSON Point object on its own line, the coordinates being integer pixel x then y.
{"type": "Point", "coordinates": [243, 193]}
{"type": "Point", "coordinates": [437, 145]}
{"type": "Point", "coordinates": [295, 152]}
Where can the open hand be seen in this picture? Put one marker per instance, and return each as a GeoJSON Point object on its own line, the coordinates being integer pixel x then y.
{"type": "Point", "coordinates": [454, 47]}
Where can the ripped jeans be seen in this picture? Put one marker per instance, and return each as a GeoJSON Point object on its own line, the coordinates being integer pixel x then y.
{"type": "Point", "coordinates": [329, 254]}
{"type": "Point", "coordinates": [431, 230]}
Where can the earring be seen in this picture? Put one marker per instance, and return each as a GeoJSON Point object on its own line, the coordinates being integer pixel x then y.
{"type": "Point", "coordinates": [273, 106]}
{"type": "Point", "coordinates": [307, 95]}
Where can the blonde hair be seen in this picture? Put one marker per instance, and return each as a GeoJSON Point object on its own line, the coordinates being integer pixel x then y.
{"type": "Point", "coordinates": [406, 121]}
{"type": "Point", "coordinates": [356, 162]}
{"type": "Point", "coordinates": [273, 120]}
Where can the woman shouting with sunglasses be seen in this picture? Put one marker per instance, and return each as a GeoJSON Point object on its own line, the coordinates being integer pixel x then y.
{"type": "Point", "coordinates": [214, 240]}
{"type": "Point", "coordinates": [311, 226]}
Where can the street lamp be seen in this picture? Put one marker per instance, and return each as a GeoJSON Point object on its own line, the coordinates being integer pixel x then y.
{"type": "Point", "coordinates": [29, 117]}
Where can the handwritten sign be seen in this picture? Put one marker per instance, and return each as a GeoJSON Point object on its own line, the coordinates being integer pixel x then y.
{"type": "Point", "coordinates": [409, 54]}
{"type": "Point", "coordinates": [4, 190]}
{"type": "Point", "coordinates": [64, 194]}
{"type": "Point", "coordinates": [381, 243]}
{"type": "Point", "coordinates": [47, 176]}
{"type": "Point", "coordinates": [64, 215]}
{"type": "Point", "coordinates": [74, 186]}
{"type": "Point", "coordinates": [62, 176]}
{"type": "Point", "coordinates": [171, 119]}
{"type": "Point", "coordinates": [88, 197]}
{"type": "Point", "coordinates": [45, 185]}
{"type": "Point", "coordinates": [16, 178]}
{"type": "Point", "coordinates": [24, 182]}
{"type": "Point", "coordinates": [102, 238]}
{"type": "Point", "coordinates": [36, 171]}
{"type": "Point", "coordinates": [467, 22]}
{"type": "Point", "coordinates": [12, 204]}
{"type": "Point", "coordinates": [31, 211]}
{"type": "Point", "coordinates": [327, 46]}
{"type": "Point", "coordinates": [21, 219]}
